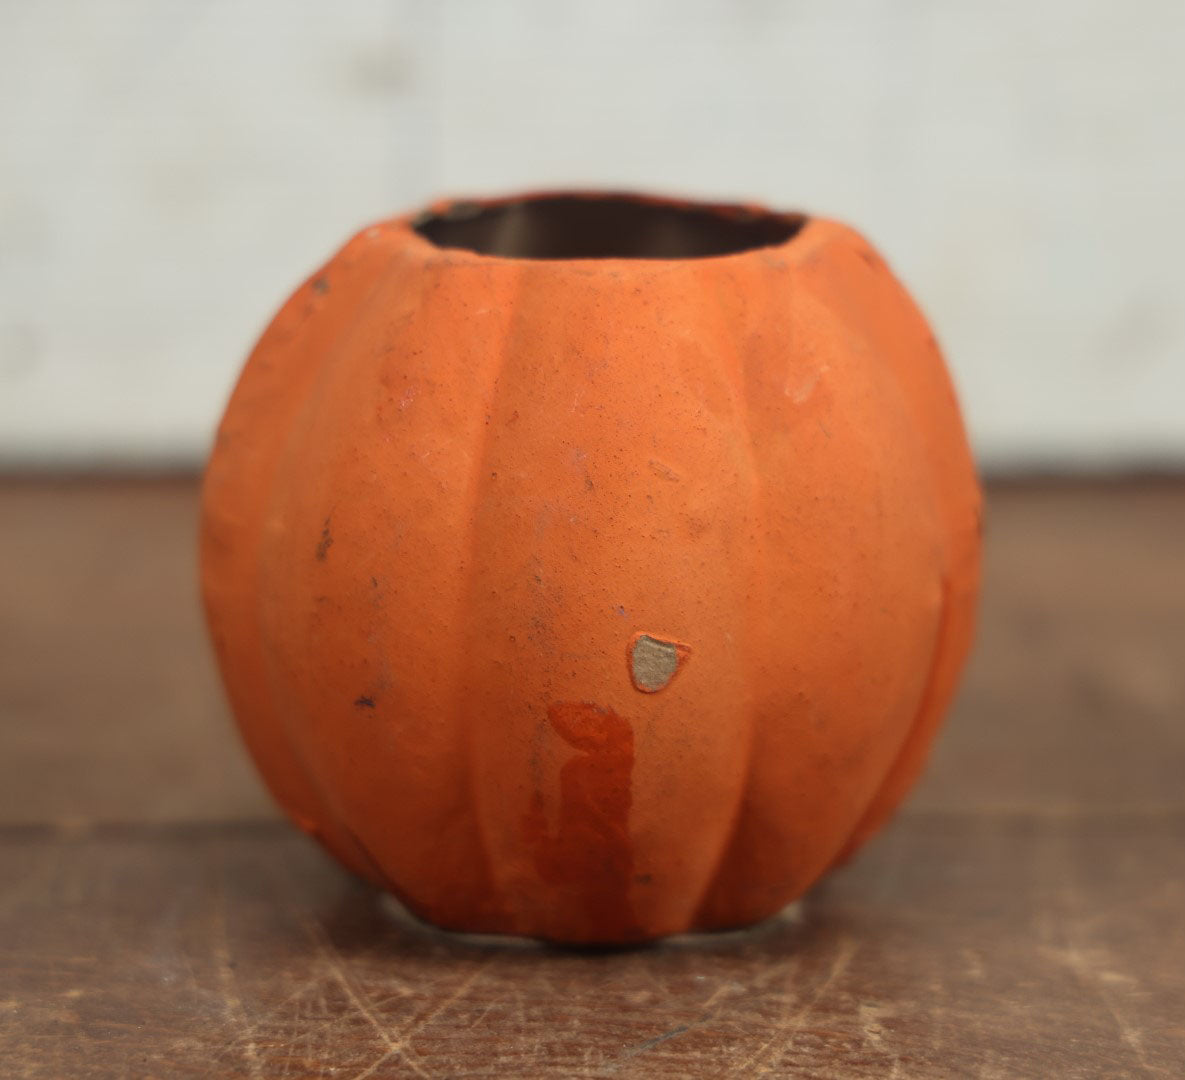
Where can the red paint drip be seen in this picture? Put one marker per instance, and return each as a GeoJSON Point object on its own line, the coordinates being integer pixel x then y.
{"type": "Point", "coordinates": [590, 859]}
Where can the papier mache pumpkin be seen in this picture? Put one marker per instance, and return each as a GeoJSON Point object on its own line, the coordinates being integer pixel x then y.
{"type": "Point", "coordinates": [592, 567]}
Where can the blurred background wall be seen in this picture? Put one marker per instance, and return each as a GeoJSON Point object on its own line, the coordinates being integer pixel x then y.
{"type": "Point", "coordinates": [169, 170]}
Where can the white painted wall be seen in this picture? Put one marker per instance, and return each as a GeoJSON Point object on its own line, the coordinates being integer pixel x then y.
{"type": "Point", "coordinates": [169, 169]}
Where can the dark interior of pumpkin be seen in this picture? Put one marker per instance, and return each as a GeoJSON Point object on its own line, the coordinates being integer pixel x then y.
{"type": "Point", "coordinates": [604, 227]}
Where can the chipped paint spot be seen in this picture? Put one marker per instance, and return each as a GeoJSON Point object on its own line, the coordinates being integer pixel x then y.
{"type": "Point", "coordinates": [800, 392]}
{"type": "Point", "coordinates": [654, 662]}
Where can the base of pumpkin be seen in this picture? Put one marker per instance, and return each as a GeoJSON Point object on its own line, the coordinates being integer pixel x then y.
{"type": "Point", "coordinates": [410, 923]}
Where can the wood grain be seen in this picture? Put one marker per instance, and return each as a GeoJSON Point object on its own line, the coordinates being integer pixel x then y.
{"type": "Point", "coordinates": [1024, 917]}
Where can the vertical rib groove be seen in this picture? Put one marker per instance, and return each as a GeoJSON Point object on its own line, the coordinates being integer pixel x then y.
{"type": "Point", "coordinates": [758, 558]}
{"type": "Point", "coordinates": [479, 470]}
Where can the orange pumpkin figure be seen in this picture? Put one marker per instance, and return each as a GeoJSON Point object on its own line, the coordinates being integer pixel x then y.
{"type": "Point", "coordinates": [592, 567]}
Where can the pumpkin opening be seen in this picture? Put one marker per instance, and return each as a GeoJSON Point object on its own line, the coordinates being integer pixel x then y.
{"type": "Point", "coordinates": [604, 227]}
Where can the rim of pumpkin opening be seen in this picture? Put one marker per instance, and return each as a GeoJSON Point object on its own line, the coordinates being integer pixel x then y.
{"type": "Point", "coordinates": [610, 225]}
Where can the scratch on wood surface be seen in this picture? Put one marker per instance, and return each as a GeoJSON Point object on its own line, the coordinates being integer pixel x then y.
{"type": "Point", "coordinates": [404, 1049]}
{"type": "Point", "coordinates": [379, 1062]}
{"type": "Point", "coordinates": [720, 991]}
{"type": "Point", "coordinates": [301, 988]}
{"type": "Point", "coordinates": [462, 989]}
{"type": "Point", "coordinates": [642, 1047]}
{"type": "Point", "coordinates": [707, 1013]}
{"type": "Point", "coordinates": [784, 970]}
{"type": "Point", "coordinates": [267, 1016]}
{"type": "Point", "coordinates": [640, 967]}
{"type": "Point", "coordinates": [870, 1022]}
{"type": "Point", "coordinates": [1089, 975]}
{"type": "Point", "coordinates": [166, 937]}
{"type": "Point", "coordinates": [235, 1010]}
{"type": "Point", "coordinates": [762, 1058]}
{"type": "Point", "coordinates": [332, 959]}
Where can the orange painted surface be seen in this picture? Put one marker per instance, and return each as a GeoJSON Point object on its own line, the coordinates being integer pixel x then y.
{"type": "Point", "coordinates": [450, 493]}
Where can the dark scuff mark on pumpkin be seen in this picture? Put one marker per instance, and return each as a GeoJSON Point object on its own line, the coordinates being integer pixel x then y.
{"type": "Point", "coordinates": [364, 702]}
{"type": "Point", "coordinates": [325, 543]}
{"type": "Point", "coordinates": [660, 468]}
{"type": "Point", "coordinates": [589, 858]}
{"type": "Point", "coordinates": [320, 285]}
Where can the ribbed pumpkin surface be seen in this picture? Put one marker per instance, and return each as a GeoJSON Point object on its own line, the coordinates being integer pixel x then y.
{"type": "Point", "coordinates": [592, 599]}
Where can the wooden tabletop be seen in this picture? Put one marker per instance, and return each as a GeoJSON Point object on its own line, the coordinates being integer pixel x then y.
{"type": "Point", "coordinates": [1023, 917]}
